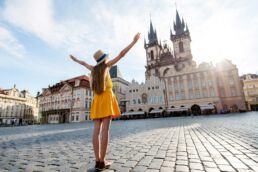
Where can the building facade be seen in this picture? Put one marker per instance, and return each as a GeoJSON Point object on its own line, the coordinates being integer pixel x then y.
{"type": "Point", "coordinates": [176, 83]}
{"type": "Point", "coordinates": [66, 101]}
{"type": "Point", "coordinates": [120, 86]}
{"type": "Point", "coordinates": [17, 107]}
{"type": "Point", "coordinates": [250, 82]}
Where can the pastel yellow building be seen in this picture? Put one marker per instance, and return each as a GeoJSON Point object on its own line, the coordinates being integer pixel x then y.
{"type": "Point", "coordinates": [250, 82]}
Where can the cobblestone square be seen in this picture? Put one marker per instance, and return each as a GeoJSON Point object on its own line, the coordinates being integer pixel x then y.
{"type": "Point", "coordinates": [200, 143]}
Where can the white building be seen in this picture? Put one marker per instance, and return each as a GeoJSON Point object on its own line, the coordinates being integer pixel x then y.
{"type": "Point", "coordinates": [17, 107]}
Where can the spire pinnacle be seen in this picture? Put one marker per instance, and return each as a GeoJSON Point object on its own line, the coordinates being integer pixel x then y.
{"type": "Point", "coordinates": [152, 34]}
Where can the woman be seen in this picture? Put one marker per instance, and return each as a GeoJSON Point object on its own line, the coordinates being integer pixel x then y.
{"type": "Point", "coordinates": [104, 106]}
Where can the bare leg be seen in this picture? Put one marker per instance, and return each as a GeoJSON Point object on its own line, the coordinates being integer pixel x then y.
{"type": "Point", "coordinates": [95, 138]}
{"type": "Point", "coordinates": [104, 137]}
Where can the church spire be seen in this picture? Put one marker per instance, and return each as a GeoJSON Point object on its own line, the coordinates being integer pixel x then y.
{"type": "Point", "coordinates": [152, 35]}
{"type": "Point", "coordinates": [179, 24]}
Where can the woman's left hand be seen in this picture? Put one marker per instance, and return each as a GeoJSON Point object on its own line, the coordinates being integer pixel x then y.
{"type": "Point", "coordinates": [136, 37]}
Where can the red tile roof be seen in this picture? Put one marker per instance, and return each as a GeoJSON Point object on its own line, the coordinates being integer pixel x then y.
{"type": "Point", "coordinates": [84, 82]}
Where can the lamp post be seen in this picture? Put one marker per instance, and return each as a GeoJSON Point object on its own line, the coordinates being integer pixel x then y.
{"type": "Point", "coordinates": [165, 90]}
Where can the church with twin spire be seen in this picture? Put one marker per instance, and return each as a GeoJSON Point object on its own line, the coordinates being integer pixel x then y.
{"type": "Point", "coordinates": [158, 55]}
{"type": "Point", "coordinates": [175, 84]}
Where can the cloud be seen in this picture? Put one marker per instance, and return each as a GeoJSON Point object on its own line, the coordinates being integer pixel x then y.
{"type": "Point", "coordinates": [37, 17]}
{"type": "Point", "coordinates": [10, 44]}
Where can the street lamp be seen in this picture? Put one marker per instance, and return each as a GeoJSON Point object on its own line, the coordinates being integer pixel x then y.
{"type": "Point", "coordinates": [165, 91]}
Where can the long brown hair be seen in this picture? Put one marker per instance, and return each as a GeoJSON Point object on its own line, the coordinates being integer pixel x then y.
{"type": "Point", "coordinates": [98, 77]}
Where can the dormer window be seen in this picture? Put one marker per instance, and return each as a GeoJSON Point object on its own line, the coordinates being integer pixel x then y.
{"type": "Point", "coordinates": [77, 82]}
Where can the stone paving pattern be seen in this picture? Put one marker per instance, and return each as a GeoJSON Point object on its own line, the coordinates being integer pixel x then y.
{"type": "Point", "coordinates": [201, 143]}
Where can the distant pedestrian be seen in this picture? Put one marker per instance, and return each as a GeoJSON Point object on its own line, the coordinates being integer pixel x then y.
{"type": "Point", "coordinates": [104, 106]}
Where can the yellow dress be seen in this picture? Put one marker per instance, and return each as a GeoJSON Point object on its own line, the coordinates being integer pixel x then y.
{"type": "Point", "coordinates": [105, 104]}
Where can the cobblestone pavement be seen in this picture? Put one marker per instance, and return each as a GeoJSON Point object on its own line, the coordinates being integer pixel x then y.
{"type": "Point", "coordinates": [203, 143]}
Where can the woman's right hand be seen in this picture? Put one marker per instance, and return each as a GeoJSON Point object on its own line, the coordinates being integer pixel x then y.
{"type": "Point", "coordinates": [136, 37]}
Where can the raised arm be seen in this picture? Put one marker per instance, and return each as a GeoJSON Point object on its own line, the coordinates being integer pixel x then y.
{"type": "Point", "coordinates": [124, 51]}
{"type": "Point", "coordinates": [81, 62]}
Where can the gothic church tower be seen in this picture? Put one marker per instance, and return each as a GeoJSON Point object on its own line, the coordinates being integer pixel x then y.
{"type": "Point", "coordinates": [152, 48]}
{"type": "Point", "coordinates": [181, 39]}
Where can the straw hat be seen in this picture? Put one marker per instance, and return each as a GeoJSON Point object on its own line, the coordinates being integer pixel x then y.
{"type": "Point", "coordinates": [100, 56]}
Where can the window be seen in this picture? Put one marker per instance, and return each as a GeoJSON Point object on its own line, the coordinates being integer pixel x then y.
{"type": "Point", "coordinates": [197, 94]}
{"type": "Point", "coordinates": [161, 99]}
{"type": "Point", "coordinates": [222, 92]}
{"type": "Point", "coordinates": [233, 91]}
{"type": "Point", "coordinates": [205, 93]}
{"type": "Point", "coordinates": [191, 95]}
{"type": "Point", "coordinates": [152, 55]}
{"type": "Point", "coordinates": [182, 95]}
{"type": "Point", "coordinates": [212, 92]}
{"type": "Point", "coordinates": [196, 83]}
{"type": "Point", "coordinates": [203, 83]}
{"type": "Point", "coordinates": [181, 85]}
{"type": "Point", "coordinates": [72, 118]}
{"type": "Point", "coordinates": [181, 47]}
{"type": "Point", "coordinates": [210, 82]}
{"type": "Point", "coordinates": [86, 104]}
{"type": "Point", "coordinates": [170, 96]}
{"type": "Point", "coordinates": [190, 85]}
{"type": "Point", "coordinates": [177, 96]}
{"type": "Point", "coordinates": [77, 117]}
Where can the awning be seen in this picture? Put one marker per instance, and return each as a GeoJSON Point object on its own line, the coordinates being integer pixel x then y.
{"type": "Point", "coordinates": [133, 113]}
{"type": "Point", "coordinates": [204, 107]}
{"type": "Point", "coordinates": [157, 111]}
{"type": "Point", "coordinates": [181, 109]}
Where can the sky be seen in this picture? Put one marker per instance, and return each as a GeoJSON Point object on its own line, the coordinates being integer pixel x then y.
{"type": "Point", "coordinates": [36, 36]}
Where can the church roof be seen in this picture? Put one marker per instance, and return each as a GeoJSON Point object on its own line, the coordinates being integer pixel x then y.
{"type": "Point", "coordinates": [152, 35]}
{"type": "Point", "coordinates": [179, 25]}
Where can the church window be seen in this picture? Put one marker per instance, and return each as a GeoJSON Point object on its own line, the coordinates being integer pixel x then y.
{"type": "Point", "coordinates": [152, 55]}
{"type": "Point", "coordinates": [181, 47]}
